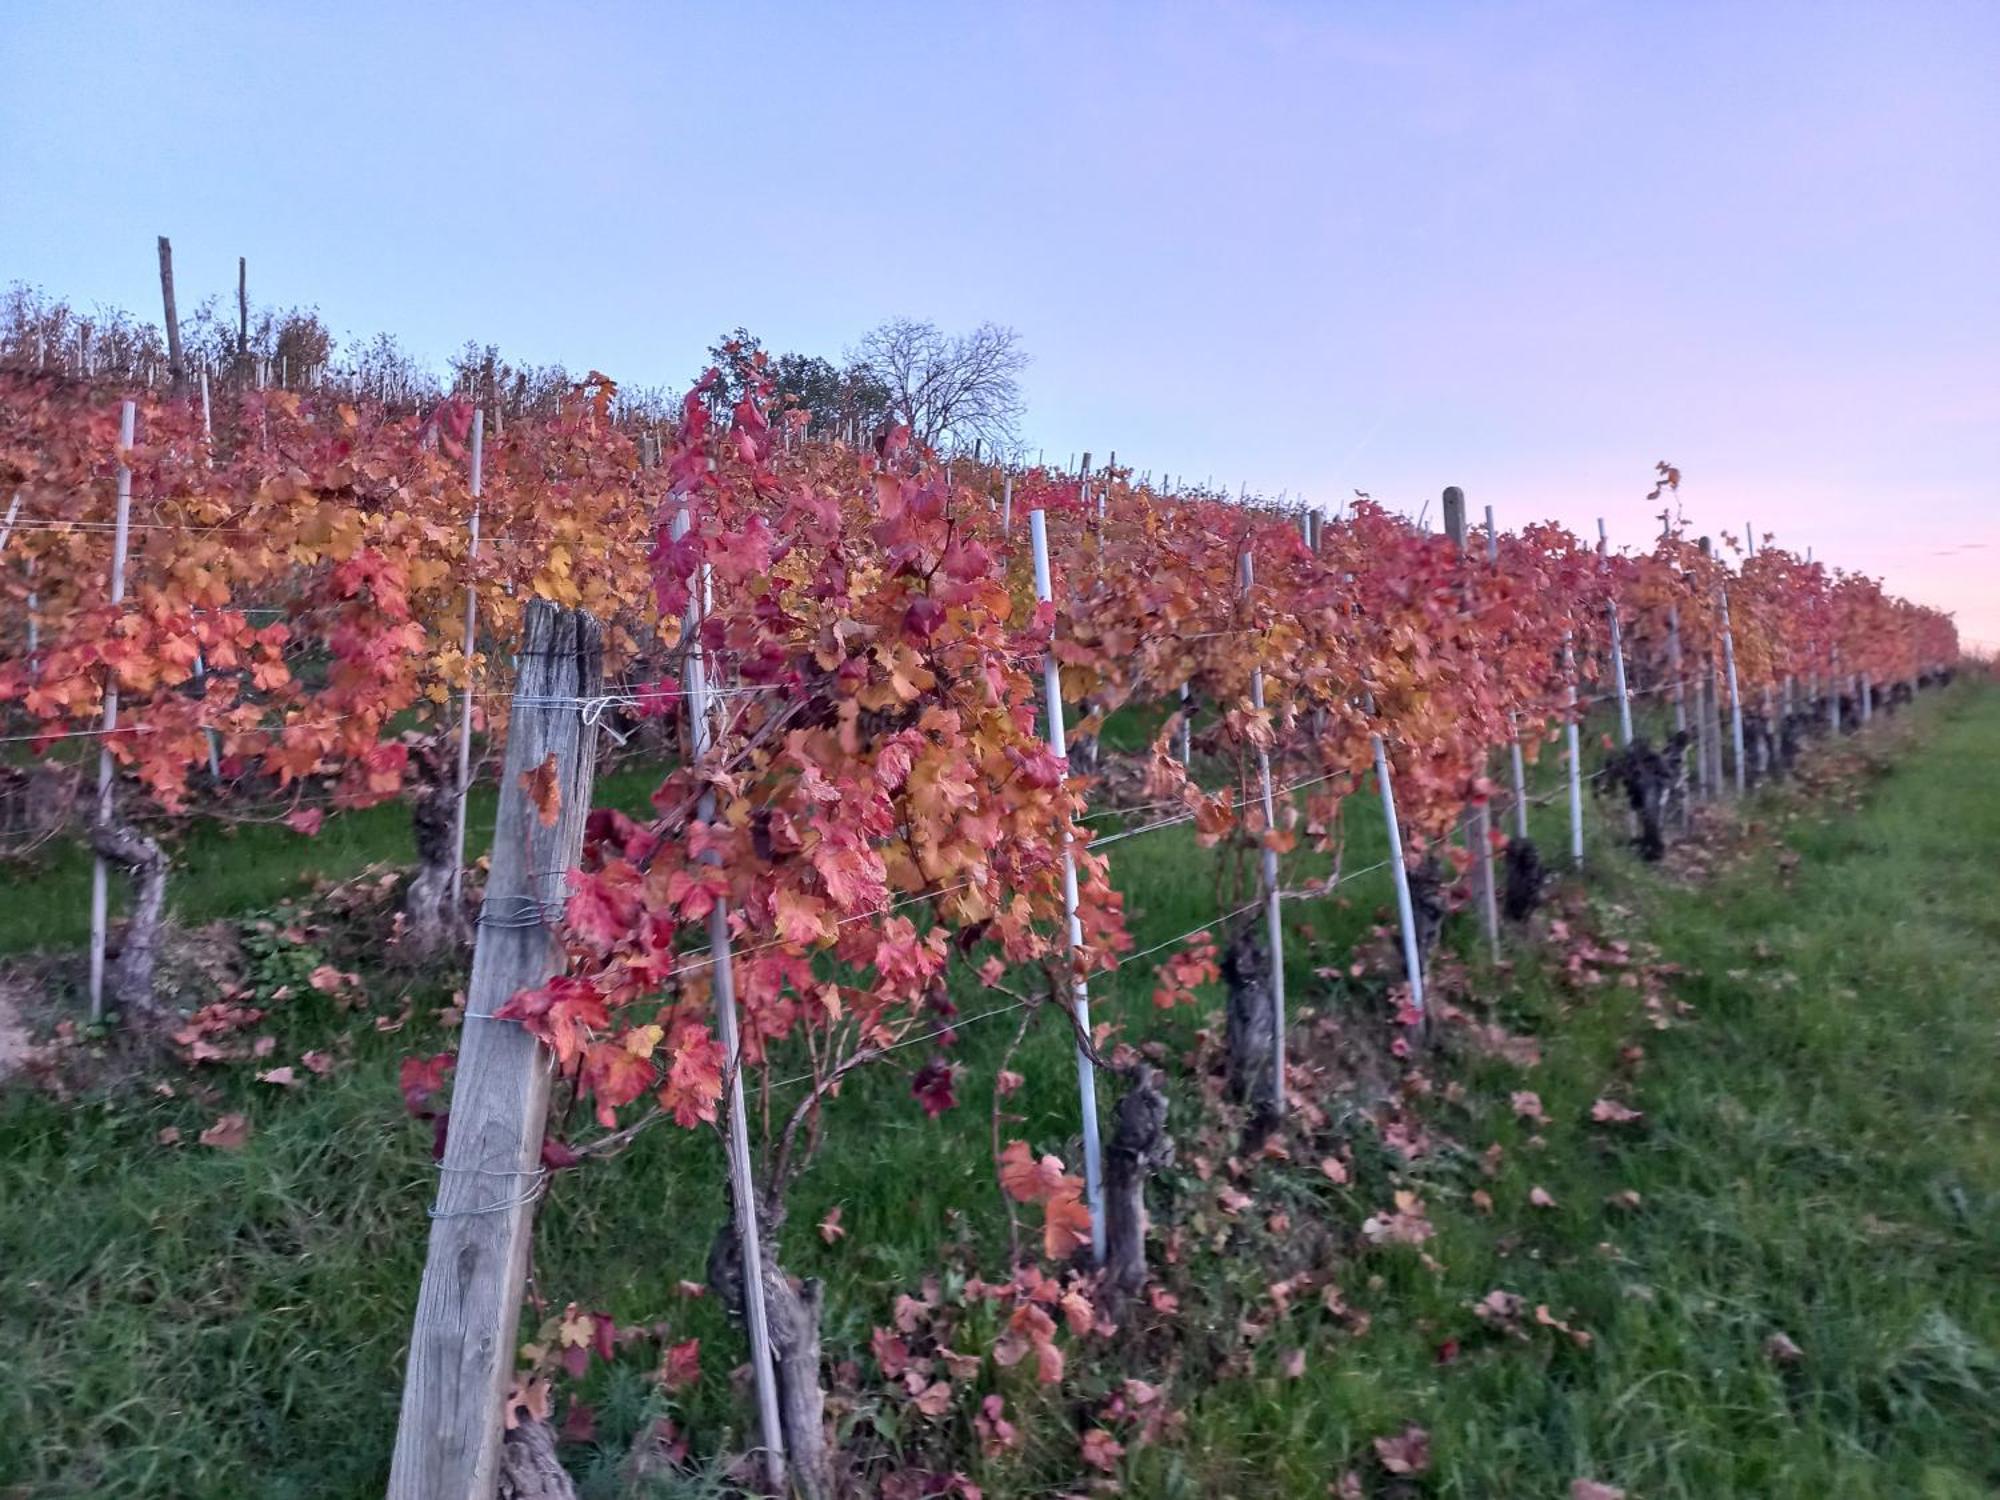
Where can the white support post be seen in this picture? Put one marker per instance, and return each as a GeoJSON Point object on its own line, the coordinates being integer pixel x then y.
{"type": "Point", "coordinates": [7, 526]}
{"type": "Point", "coordinates": [1675, 668]}
{"type": "Point", "coordinates": [1515, 763]}
{"type": "Point", "coordinates": [1187, 726]}
{"type": "Point", "coordinates": [1617, 642]}
{"type": "Point", "coordinates": [1007, 505]}
{"type": "Point", "coordinates": [1833, 692]}
{"type": "Point", "coordinates": [1273, 894]}
{"type": "Point", "coordinates": [1735, 697]}
{"type": "Point", "coordinates": [471, 630]}
{"type": "Point", "coordinates": [1575, 756]}
{"type": "Point", "coordinates": [1086, 1070]}
{"type": "Point", "coordinates": [1413, 961]}
{"type": "Point", "coordinates": [1865, 697]}
{"type": "Point", "coordinates": [742, 1183]}
{"type": "Point", "coordinates": [100, 872]}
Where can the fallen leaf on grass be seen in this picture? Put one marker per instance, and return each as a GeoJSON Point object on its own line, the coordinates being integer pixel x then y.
{"type": "Point", "coordinates": [318, 1062]}
{"type": "Point", "coordinates": [169, 1135]}
{"type": "Point", "coordinates": [228, 1133]}
{"type": "Point", "coordinates": [1293, 1365]}
{"type": "Point", "coordinates": [1101, 1450]}
{"type": "Point", "coordinates": [1780, 1349]}
{"type": "Point", "coordinates": [283, 1077]}
{"type": "Point", "coordinates": [1409, 1452]}
{"type": "Point", "coordinates": [1540, 1197]}
{"type": "Point", "coordinates": [830, 1228]}
{"type": "Point", "coordinates": [1611, 1112]}
{"type": "Point", "coordinates": [1528, 1105]}
{"type": "Point", "coordinates": [1590, 1489]}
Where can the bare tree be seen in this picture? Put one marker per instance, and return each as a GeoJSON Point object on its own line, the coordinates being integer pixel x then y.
{"type": "Point", "coordinates": [948, 389]}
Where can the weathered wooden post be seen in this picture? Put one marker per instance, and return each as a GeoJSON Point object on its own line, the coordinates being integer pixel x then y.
{"type": "Point", "coordinates": [462, 1340]}
{"type": "Point", "coordinates": [1477, 820]}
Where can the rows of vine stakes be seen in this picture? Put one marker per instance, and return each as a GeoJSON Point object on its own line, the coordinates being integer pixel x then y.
{"type": "Point", "coordinates": [262, 604]}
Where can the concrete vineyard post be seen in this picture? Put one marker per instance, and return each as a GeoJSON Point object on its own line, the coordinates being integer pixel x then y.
{"type": "Point", "coordinates": [1086, 1070]}
{"type": "Point", "coordinates": [100, 871]}
{"type": "Point", "coordinates": [461, 1358]}
{"type": "Point", "coordinates": [1268, 865]}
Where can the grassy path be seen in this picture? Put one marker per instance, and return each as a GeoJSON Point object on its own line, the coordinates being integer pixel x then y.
{"type": "Point", "coordinates": [1820, 1159]}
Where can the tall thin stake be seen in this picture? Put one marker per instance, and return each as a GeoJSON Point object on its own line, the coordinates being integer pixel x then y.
{"type": "Point", "coordinates": [471, 630]}
{"type": "Point", "coordinates": [1406, 912]}
{"type": "Point", "coordinates": [1086, 1070]}
{"type": "Point", "coordinates": [1273, 893]}
{"type": "Point", "coordinates": [742, 1183]}
{"type": "Point", "coordinates": [1575, 756]}
{"type": "Point", "coordinates": [1735, 697]}
{"type": "Point", "coordinates": [1617, 642]}
{"type": "Point", "coordinates": [100, 872]}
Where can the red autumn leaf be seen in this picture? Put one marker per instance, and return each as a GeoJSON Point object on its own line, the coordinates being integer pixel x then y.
{"type": "Point", "coordinates": [932, 1087]}
{"type": "Point", "coordinates": [830, 1227]}
{"type": "Point", "coordinates": [680, 1366]}
{"type": "Point", "coordinates": [306, 820]}
{"type": "Point", "coordinates": [422, 1079]}
{"type": "Point", "coordinates": [544, 790]}
{"type": "Point", "coordinates": [1065, 1226]}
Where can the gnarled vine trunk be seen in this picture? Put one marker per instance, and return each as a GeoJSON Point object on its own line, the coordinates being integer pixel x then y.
{"type": "Point", "coordinates": [1139, 1147]}
{"type": "Point", "coordinates": [1524, 878]}
{"type": "Point", "coordinates": [1246, 977]}
{"type": "Point", "coordinates": [432, 924]}
{"type": "Point", "coordinates": [792, 1312]}
{"type": "Point", "coordinates": [130, 983]}
{"type": "Point", "coordinates": [528, 1466]}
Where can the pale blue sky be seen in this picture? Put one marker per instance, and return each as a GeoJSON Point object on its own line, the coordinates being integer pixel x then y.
{"type": "Point", "coordinates": [1525, 248]}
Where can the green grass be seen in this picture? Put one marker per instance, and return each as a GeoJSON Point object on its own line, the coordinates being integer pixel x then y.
{"type": "Point", "coordinates": [1820, 1157]}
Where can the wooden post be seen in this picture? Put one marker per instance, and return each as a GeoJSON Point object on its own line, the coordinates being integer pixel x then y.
{"type": "Point", "coordinates": [1413, 957]}
{"type": "Point", "coordinates": [242, 311]}
{"type": "Point", "coordinates": [1575, 757]}
{"type": "Point", "coordinates": [462, 1340]}
{"type": "Point", "coordinates": [1617, 642]}
{"type": "Point", "coordinates": [1086, 1070]}
{"type": "Point", "coordinates": [742, 1185]}
{"type": "Point", "coordinates": [176, 370]}
{"type": "Point", "coordinates": [1516, 766]}
{"type": "Point", "coordinates": [1477, 820]}
{"type": "Point", "coordinates": [1273, 894]}
{"type": "Point", "coordinates": [100, 872]}
{"type": "Point", "coordinates": [465, 703]}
